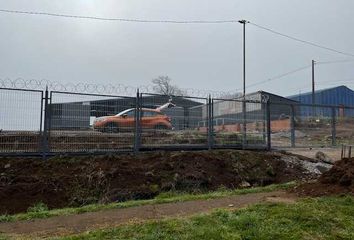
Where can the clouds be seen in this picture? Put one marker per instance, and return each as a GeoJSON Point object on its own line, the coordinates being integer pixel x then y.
{"type": "Point", "coordinates": [198, 56]}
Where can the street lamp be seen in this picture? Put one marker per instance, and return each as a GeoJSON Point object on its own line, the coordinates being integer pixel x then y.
{"type": "Point", "coordinates": [244, 130]}
{"type": "Point", "coordinates": [244, 56]}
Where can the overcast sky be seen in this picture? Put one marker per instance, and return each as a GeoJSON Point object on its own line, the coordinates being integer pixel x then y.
{"type": "Point", "coordinates": [194, 56]}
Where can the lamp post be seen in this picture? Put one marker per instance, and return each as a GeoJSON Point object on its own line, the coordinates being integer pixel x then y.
{"type": "Point", "coordinates": [244, 129]}
{"type": "Point", "coordinates": [244, 56]}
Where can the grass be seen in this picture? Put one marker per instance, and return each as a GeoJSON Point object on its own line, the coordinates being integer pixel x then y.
{"type": "Point", "coordinates": [319, 218]}
{"type": "Point", "coordinates": [41, 211]}
{"type": "Point", "coordinates": [2, 237]}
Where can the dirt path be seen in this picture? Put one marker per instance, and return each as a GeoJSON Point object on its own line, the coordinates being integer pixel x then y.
{"type": "Point", "coordinates": [64, 225]}
{"type": "Point", "coordinates": [333, 153]}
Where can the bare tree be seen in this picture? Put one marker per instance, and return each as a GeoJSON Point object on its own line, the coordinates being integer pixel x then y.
{"type": "Point", "coordinates": [163, 85]}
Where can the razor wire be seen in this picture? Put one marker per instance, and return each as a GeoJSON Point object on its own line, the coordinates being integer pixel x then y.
{"type": "Point", "coordinates": [110, 89]}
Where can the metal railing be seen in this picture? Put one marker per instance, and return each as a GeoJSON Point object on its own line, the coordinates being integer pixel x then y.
{"type": "Point", "coordinates": [35, 122]}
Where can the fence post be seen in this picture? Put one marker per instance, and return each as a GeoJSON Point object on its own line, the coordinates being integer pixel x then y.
{"type": "Point", "coordinates": [210, 123]}
{"type": "Point", "coordinates": [137, 123]}
{"type": "Point", "coordinates": [344, 150]}
{"type": "Point", "coordinates": [264, 125]}
{"type": "Point", "coordinates": [269, 143]}
{"type": "Point", "coordinates": [44, 141]}
{"type": "Point", "coordinates": [350, 152]}
{"type": "Point", "coordinates": [208, 126]}
{"type": "Point", "coordinates": [292, 125]}
{"type": "Point", "coordinates": [244, 122]}
{"type": "Point", "coordinates": [333, 126]}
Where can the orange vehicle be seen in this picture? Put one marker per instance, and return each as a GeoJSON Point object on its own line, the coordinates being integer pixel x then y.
{"type": "Point", "coordinates": [125, 121]}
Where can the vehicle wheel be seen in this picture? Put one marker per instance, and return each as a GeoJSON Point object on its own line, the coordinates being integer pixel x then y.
{"type": "Point", "coordinates": [111, 128]}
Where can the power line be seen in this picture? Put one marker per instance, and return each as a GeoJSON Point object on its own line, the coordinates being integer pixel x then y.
{"type": "Point", "coordinates": [302, 41]}
{"type": "Point", "coordinates": [339, 80]}
{"type": "Point", "coordinates": [120, 19]}
{"type": "Point", "coordinates": [197, 22]}
{"type": "Point", "coordinates": [337, 61]}
{"type": "Point", "coordinates": [279, 76]}
{"type": "Point", "coordinates": [294, 71]}
{"type": "Point", "coordinates": [350, 80]}
{"type": "Point", "coordinates": [174, 22]}
{"type": "Point", "coordinates": [329, 82]}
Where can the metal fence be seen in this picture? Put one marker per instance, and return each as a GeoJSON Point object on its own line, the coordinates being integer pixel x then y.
{"type": "Point", "coordinates": [21, 118]}
{"type": "Point", "coordinates": [36, 122]}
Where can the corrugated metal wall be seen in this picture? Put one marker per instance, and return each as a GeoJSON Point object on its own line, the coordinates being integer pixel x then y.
{"type": "Point", "coordinates": [341, 95]}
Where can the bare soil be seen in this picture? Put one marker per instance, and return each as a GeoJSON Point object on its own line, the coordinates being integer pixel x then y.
{"type": "Point", "coordinates": [338, 180]}
{"type": "Point", "coordinates": [75, 181]}
{"type": "Point", "coordinates": [65, 225]}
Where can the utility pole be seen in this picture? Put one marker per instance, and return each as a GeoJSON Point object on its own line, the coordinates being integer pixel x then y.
{"type": "Point", "coordinates": [313, 82]}
{"type": "Point", "coordinates": [313, 90]}
{"type": "Point", "coordinates": [244, 128]}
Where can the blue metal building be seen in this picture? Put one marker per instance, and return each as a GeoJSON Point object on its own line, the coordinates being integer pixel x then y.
{"type": "Point", "coordinates": [340, 95]}
{"type": "Point", "coordinates": [336, 96]}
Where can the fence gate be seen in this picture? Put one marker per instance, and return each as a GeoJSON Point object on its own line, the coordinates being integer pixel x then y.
{"type": "Point", "coordinates": [21, 120]}
{"type": "Point", "coordinates": [240, 124]}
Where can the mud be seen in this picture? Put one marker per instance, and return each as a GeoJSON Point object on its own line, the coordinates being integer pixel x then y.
{"type": "Point", "coordinates": [338, 180]}
{"type": "Point", "coordinates": [74, 181]}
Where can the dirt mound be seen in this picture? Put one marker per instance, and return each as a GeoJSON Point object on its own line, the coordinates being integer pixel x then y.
{"type": "Point", "coordinates": [338, 180]}
{"type": "Point", "coordinates": [74, 181]}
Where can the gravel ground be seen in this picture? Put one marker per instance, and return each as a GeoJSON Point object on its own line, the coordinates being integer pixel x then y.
{"type": "Point", "coordinates": [310, 167]}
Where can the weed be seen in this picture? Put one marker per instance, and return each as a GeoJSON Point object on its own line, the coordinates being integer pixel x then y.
{"type": "Point", "coordinates": [323, 218]}
{"type": "Point", "coordinates": [270, 171]}
{"type": "Point", "coordinates": [5, 218]}
{"type": "Point", "coordinates": [39, 210]}
{"type": "Point", "coordinates": [38, 207]}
